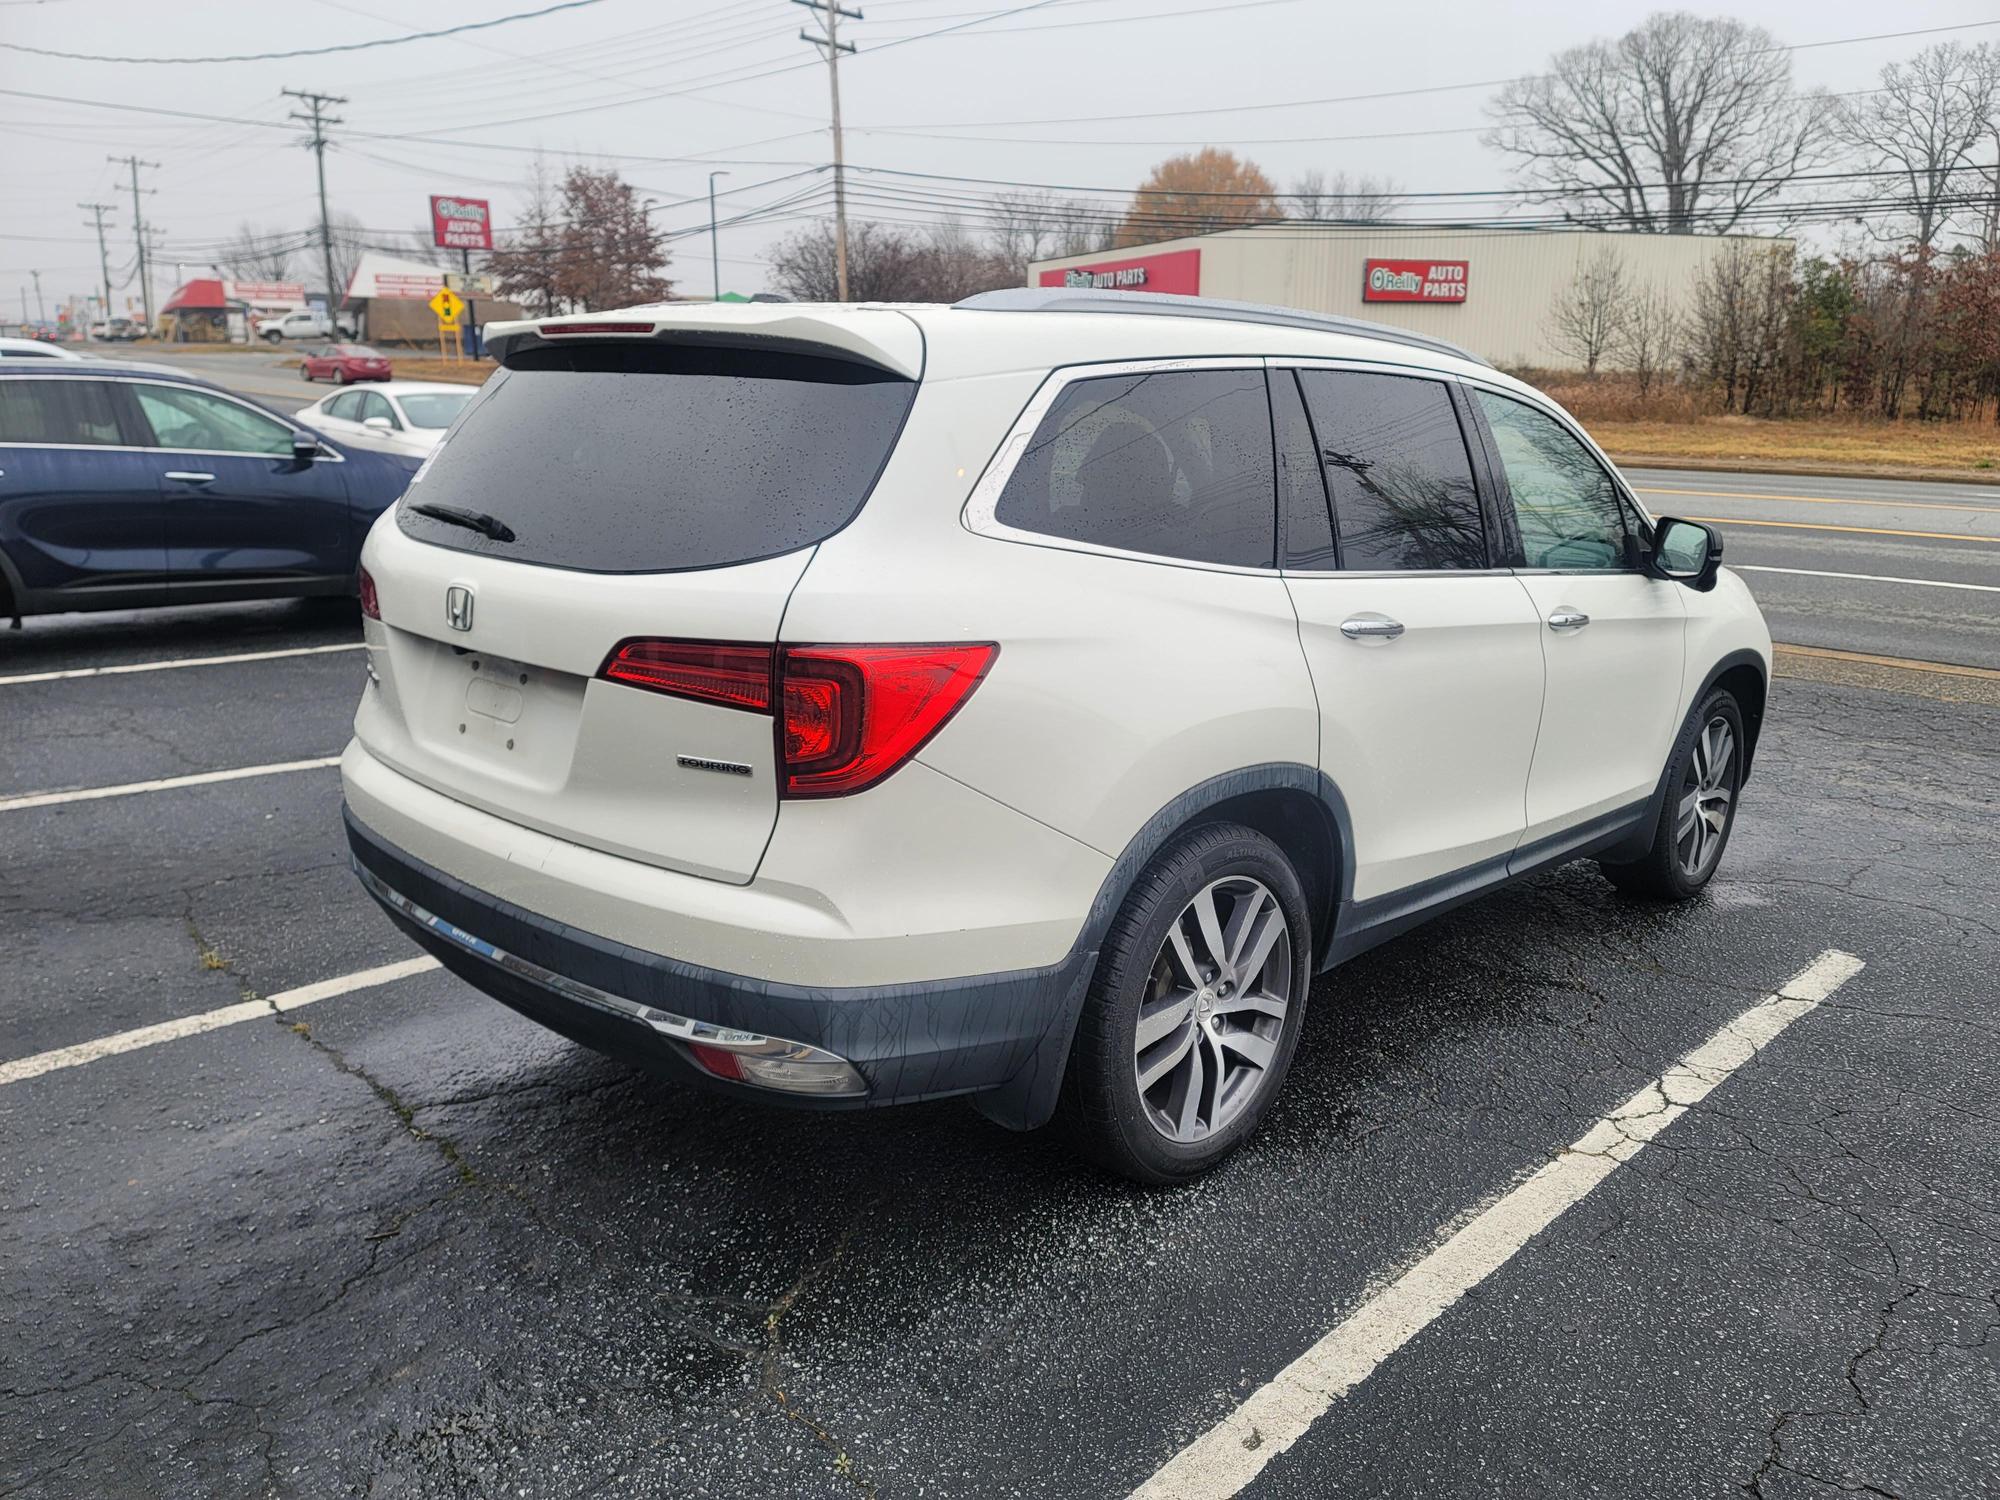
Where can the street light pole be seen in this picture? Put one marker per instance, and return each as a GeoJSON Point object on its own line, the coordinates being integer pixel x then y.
{"type": "Point", "coordinates": [714, 255]}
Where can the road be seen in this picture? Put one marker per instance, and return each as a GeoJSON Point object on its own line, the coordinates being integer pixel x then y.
{"type": "Point", "coordinates": [1898, 568]}
{"type": "Point", "coordinates": [284, 1214]}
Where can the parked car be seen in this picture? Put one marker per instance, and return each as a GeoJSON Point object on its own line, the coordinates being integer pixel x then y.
{"type": "Point", "coordinates": [305, 325]}
{"type": "Point", "coordinates": [35, 348]}
{"type": "Point", "coordinates": [403, 416]}
{"type": "Point", "coordinates": [1024, 699]}
{"type": "Point", "coordinates": [343, 363]}
{"type": "Point", "coordinates": [124, 487]}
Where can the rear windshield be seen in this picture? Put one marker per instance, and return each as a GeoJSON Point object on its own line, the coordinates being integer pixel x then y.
{"type": "Point", "coordinates": [646, 458]}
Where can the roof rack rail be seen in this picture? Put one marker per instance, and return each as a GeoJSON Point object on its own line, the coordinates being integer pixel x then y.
{"type": "Point", "coordinates": [1085, 299]}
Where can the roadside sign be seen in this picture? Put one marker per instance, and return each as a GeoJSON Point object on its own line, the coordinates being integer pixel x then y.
{"type": "Point", "coordinates": [461, 223]}
{"type": "Point", "coordinates": [447, 304]}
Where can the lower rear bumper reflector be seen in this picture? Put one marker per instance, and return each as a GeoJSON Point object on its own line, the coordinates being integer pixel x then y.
{"type": "Point", "coordinates": [743, 1056]}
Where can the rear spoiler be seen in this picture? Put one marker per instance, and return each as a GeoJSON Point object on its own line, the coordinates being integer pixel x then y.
{"type": "Point", "coordinates": [877, 336]}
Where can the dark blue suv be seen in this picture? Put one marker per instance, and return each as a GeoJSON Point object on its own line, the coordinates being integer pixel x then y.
{"type": "Point", "coordinates": [123, 488]}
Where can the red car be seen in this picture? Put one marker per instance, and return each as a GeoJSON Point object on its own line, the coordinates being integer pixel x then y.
{"type": "Point", "coordinates": [341, 363]}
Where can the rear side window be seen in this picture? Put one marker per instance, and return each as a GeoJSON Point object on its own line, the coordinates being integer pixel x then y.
{"type": "Point", "coordinates": [1176, 463]}
{"type": "Point", "coordinates": [1396, 464]}
{"type": "Point", "coordinates": [649, 458]}
{"type": "Point", "coordinates": [59, 411]}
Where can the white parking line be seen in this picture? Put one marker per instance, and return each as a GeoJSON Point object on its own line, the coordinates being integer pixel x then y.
{"type": "Point", "coordinates": [209, 1020]}
{"type": "Point", "coordinates": [20, 678]}
{"type": "Point", "coordinates": [167, 784]}
{"type": "Point", "coordinates": [1229, 1455]}
{"type": "Point", "coordinates": [1929, 583]}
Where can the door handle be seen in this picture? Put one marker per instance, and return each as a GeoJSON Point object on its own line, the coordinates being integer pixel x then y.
{"type": "Point", "coordinates": [1371, 628]}
{"type": "Point", "coordinates": [1566, 618]}
{"type": "Point", "coordinates": [190, 476]}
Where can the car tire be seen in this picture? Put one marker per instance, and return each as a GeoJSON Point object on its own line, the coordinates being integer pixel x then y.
{"type": "Point", "coordinates": [339, 376]}
{"type": "Point", "coordinates": [1215, 1058]}
{"type": "Point", "coordinates": [1704, 778]}
{"type": "Point", "coordinates": [274, 338]}
{"type": "Point", "coordinates": [305, 374]}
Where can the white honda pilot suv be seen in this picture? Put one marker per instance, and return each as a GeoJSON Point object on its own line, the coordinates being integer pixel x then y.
{"type": "Point", "coordinates": [1023, 699]}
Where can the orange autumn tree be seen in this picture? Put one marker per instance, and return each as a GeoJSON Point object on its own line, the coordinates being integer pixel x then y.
{"type": "Point", "coordinates": [1198, 193]}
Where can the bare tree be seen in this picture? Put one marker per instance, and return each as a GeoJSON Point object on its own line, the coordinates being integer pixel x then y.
{"type": "Point", "coordinates": [256, 254]}
{"type": "Point", "coordinates": [1649, 336]}
{"type": "Point", "coordinates": [1041, 225]}
{"type": "Point", "coordinates": [349, 241]}
{"type": "Point", "coordinates": [1686, 123]}
{"type": "Point", "coordinates": [1926, 124]}
{"type": "Point", "coordinates": [1737, 321]}
{"type": "Point", "coordinates": [524, 263]}
{"type": "Point", "coordinates": [1363, 199]}
{"type": "Point", "coordinates": [1591, 321]}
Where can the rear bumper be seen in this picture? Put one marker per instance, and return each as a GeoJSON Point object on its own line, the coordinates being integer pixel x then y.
{"type": "Point", "coordinates": [981, 1035]}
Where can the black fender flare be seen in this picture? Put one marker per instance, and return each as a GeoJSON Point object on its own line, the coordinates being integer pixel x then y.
{"type": "Point", "coordinates": [1027, 1100]}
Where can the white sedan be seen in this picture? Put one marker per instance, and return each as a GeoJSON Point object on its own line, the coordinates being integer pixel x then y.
{"type": "Point", "coordinates": [393, 416]}
{"type": "Point", "coordinates": [11, 349]}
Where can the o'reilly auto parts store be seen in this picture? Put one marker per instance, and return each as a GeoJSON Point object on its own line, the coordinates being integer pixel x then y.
{"type": "Point", "coordinates": [1495, 292]}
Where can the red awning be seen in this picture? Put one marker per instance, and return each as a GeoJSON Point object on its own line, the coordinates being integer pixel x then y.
{"type": "Point", "coordinates": [202, 295]}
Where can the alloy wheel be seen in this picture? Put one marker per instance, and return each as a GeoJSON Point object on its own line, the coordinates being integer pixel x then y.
{"type": "Point", "coordinates": [1708, 788]}
{"type": "Point", "coordinates": [1214, 1010]}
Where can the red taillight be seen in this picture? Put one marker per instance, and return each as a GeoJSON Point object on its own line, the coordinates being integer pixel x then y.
{"type": "Point", "coordinates": [734, 676]}
{"type": "Point", "coordinates": [567, 330]}
{"type": "Point", "coordinates": [848, 716]}
{"type": "Point", "coordinates": [371, 605]}
{"type": "Point", "coordinates": [718, 1060]}
{"type": "Point", "coordinates": [853, 714]}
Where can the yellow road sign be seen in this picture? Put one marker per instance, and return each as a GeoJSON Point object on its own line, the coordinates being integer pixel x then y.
{"type": "Point", "coordinates": [447, 304]}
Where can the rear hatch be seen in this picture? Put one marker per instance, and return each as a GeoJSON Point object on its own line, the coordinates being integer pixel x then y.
{"type": "Point", "coordinates": [604, 489]}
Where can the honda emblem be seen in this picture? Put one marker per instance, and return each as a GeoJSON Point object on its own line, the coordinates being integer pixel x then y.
{"type": "Point", "coordinates": [458, 607]}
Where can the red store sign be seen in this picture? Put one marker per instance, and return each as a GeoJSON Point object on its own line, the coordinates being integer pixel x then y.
{"type": "Point", "coordinates": [1413, 280]}
{"type": "Point", "coordinates": [461, 223]}
{"type": "Point", "coordinates": [1177, 271]}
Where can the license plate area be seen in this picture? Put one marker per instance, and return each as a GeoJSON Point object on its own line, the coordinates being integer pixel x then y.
{"type": "Point", "coordinates": [516, 718]}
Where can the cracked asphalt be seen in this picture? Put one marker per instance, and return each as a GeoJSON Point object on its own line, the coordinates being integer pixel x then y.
{"type": "Point", "coordinates": [403, 1243]}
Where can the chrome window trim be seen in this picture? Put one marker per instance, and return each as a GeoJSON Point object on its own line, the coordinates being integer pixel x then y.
{"type": "Point", "coordinates": [978, 517]}
{"type": "Point", "coordinates": [177, 385]}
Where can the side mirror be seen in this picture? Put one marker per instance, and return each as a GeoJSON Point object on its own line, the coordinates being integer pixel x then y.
{"type": "Point", "coordinates": [380, 424]}
{"type": "Point", "coordinates": [1686, 552]}
{"type": "Point", "coordinates": [305, 446]}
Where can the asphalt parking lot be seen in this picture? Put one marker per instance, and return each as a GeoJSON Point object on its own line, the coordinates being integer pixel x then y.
{"type": "Point", "coordinates": [284, 1213]}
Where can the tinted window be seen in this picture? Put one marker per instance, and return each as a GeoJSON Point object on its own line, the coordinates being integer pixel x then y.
{"type": "Point", "coordinates": [347, 407]}
{"type": "Point", "coordinates": [373, 405]}
{"type": "Point", "coordinates": [1565, 505]}
{"type": "Point", "coordinates": [638, 458]}
{"type": "Point", "coordinates": [58, 411]}
{"type": "Point", "coordinates": [1301, 485]}
{"type": "Point", "coordinates": [184, 418]}
{"type": "Point", "coordinates": [1174, 463]}
{"type": "Point", "coordinates": [1395, 461]}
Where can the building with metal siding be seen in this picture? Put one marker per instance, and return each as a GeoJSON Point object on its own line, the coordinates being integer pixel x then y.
{"type": "Point", "coordinates": [1493, 291]}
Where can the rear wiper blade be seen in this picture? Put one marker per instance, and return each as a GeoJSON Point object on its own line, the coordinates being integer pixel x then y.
{"type": "Point", "coordinates": [476, 520]}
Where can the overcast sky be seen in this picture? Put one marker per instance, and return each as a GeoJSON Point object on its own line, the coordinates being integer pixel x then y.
{"type": "Point", "coordinates": [621, 81]}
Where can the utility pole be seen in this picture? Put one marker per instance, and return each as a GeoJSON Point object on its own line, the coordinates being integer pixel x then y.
{"type": "Point", "coordinates": [714, 255]}
{"type": "Point", "coordinates": [99, 210]}
{"type": "Point", "coordinates": [139, 236]}
{"type": "Point", "coordinates": [319, 120]}
{"type": "Point", "coordinates": [41, 308]}
{"type": "Point", "coordinates": [830, 12]}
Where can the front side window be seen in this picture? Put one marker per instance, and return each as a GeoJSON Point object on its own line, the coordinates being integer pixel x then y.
{"type": "Point", "coordinates": [186, 418]}
{"type": "Point", "coordinates": [1174, 463]}
{"type": "Point", "coordinates": [59, 411]}
{"type": "Point", "coordinates": [1396, 465]}
{"type": "Point", "coordinates": [373, 405]}
{"type": "Point", "coordinates": [1565, 505]}
{"type": "Point", "coordinates": [347, 407]}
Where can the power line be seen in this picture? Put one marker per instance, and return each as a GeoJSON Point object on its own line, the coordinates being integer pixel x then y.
{"type": "Point", "coordinates": [385, 41]}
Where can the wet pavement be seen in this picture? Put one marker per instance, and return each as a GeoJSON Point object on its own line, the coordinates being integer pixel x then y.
{"type": "Point", "coordinates": [401, 1242]}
